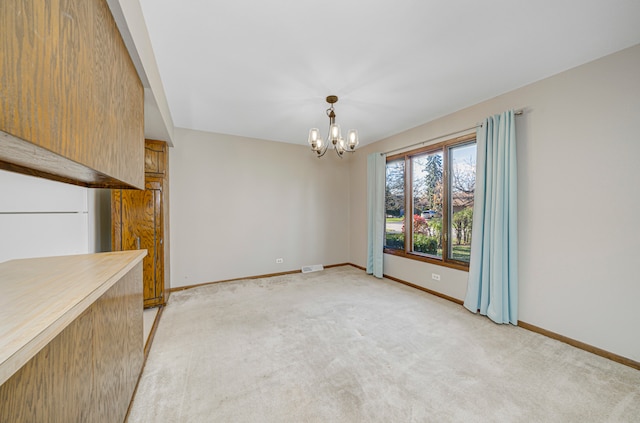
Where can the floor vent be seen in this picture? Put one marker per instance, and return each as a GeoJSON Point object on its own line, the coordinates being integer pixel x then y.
{"type": "Point", "coordinates": [312, 268]}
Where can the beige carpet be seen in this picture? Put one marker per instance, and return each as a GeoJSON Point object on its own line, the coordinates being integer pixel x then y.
{"type": "Point", "coordinates": [341, 346]}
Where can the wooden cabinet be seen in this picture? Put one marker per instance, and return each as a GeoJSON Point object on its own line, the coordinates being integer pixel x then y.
{"type": "Point", "coordinates": [140, 220]}
{"type": "Point", "coordinates": [155, 158]}
{"type": "Point", "coordinates": [72, 104]}
{"type": "Point", "coordinates": [73, 347]}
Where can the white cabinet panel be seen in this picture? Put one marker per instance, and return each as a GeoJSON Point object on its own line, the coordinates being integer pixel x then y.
{"type": "Point", "coordinates": [22, 193]}
{"type": "Point", "coordinates": [39, 235]}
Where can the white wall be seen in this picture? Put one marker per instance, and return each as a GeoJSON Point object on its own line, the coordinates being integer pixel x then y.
{"type": "Point", "coordinates": [39, 217]}
{"type": "Point", "coordinates": [237, 204]}
{"type": "Point", "coordinates": [578, 154]}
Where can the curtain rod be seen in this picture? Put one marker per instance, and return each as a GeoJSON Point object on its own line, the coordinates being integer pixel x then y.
{"type": "Point", "coordinates": [477, 125]}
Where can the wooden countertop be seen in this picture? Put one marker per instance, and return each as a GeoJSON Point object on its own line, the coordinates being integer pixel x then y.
{"type": "Point", "coordinates": [39, 297]}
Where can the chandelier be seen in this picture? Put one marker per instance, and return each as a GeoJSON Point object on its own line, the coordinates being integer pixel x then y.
{"type": "Point", "coordinates": [340, 145]}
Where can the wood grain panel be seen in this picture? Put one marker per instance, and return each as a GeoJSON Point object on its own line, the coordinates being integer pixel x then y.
{"type": "Point", "coordinates": [135, 328]}
{"type": "Point", "coordinates": [138, 223]}
{"type": "Point", "coordinates": [108, 345]}
{"type": "Point", "coordinates": [40, 297]}
{"type": "Point", "coordinates": [117, 333]}
{"type": "Point", "coordinates": [156, 186]}
{"type": "Point", "coordinates": [70, 360]}
{"type": "Point", "coordinates": [70, 89]}
{"type": "Point", "coordinates": [134, 213]}
{"type": "Point", "coordinates": [119, 103]}
{"type": "Point", "coordinates": [40, 381]}
{"type": "Point", "coordinates": [88, 372]}
{"type": "Point", "coordinates": [116, 220]}
{"type": "Point", "coordinates": [142, 228]}
{"type": "Point", "coordinates": [160, 150]}
{"type": "Point", "coordinates": [155, 157]}
{"type": "Point", "coordinates": [28, 159]}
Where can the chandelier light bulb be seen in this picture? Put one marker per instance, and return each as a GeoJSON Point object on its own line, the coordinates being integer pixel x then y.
{"type": "Point", "coordinates": [340, 145]}
{"type": "Point", "coordinates": [314, 138]}
{"type": "Point", "coordinates": [335, 132]}
{"type": "Point", "coordinates": [352, 139]}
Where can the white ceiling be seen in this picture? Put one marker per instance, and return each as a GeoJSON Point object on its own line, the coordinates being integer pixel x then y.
{"type": "Point", "coordinates": [262, 69]}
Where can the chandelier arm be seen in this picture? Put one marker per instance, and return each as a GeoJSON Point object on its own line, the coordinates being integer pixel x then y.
{"type": "Point", "coordinates": [324, 150]}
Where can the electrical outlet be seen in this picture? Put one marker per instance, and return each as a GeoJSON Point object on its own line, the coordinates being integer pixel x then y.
{"type": "Point", "coordinates": [435, 276]}
{"type": "Point", "coordinates": [279, 260]}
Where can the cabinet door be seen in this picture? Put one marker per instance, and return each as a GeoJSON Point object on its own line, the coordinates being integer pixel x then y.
{"type": "Point", "coordinates": [141, 227]}
{"type": "Point", "coordinates": [155, 157]}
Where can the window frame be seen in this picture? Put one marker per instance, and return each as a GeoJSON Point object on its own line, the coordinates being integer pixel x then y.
{"type": "Point", "coordinates": [440, 147]}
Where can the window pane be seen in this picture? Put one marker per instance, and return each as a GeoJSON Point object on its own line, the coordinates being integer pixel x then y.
{"type": "Point", "coordinates": [426, 180]}
{"type": "Point", "coordinates": [463, 185]}
{"type": "Point", "coordinates": [394, 205]}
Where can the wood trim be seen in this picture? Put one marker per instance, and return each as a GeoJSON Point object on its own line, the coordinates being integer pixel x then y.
{"type": "Point", "coordinates": [329, 266]}
{"type": "Point", "coordinates": [364, 269]}
{"type": "Point", "coordinates": [421, 288]}
{"type": "Point", "coordinates": [116, 220]}
{"type": "Point", "coordinates": [446, 225]}
{"type": "Point", "coordinates": [269, 275]}
{"type": "Point", "coordinates": [147, 348]}
{"type": "Point", "coordinates": [574, 343]}
{"type": "Point", "coordinates": [20, 156]}
{"type": "Point", "coordinates": [154, 264]}
{"type": "Point", "coordinates": [434, 147]}
{"type": "Point", "coordinates": [155, 158]}
{"type": "Point", "coordinates": [580, 345]}
{"type": "Point", "coordinates": [413, 256]}
{"type": "Point", "coordinates": [152, 333]}
{"type": "Point", "coordinates": [197, 285]}
{"type": "Point", "coordinates": [427, 290]}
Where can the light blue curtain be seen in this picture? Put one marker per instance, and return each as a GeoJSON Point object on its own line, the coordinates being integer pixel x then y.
{"type": "Point", "coordinates": [493, 272]}
{"type": "Point", "coordinates": [376, 179]}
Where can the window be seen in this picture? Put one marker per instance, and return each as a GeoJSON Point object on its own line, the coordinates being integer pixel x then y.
{"type": "Point", "coordinates": [394, 205]}
{"type": "Point", "coordinates": [434, 186]}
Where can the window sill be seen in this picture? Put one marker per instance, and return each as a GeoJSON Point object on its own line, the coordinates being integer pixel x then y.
{"type": "Point", "coordinates": [413, 256]}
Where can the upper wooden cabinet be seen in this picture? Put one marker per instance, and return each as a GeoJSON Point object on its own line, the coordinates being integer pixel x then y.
{"type": "Point", "coordinates": [155, 158]}
{"type": "Point", "coordinates": [72, 104]}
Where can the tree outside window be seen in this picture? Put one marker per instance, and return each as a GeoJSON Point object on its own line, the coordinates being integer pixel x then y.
{"type": "Point", "coordinates": [440, 183]}
{"type": "Point", "coordinates": [394, 205]}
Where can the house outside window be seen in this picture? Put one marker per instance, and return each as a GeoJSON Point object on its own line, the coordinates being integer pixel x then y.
{"type": "Point", "coordinates": [429, 202]}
